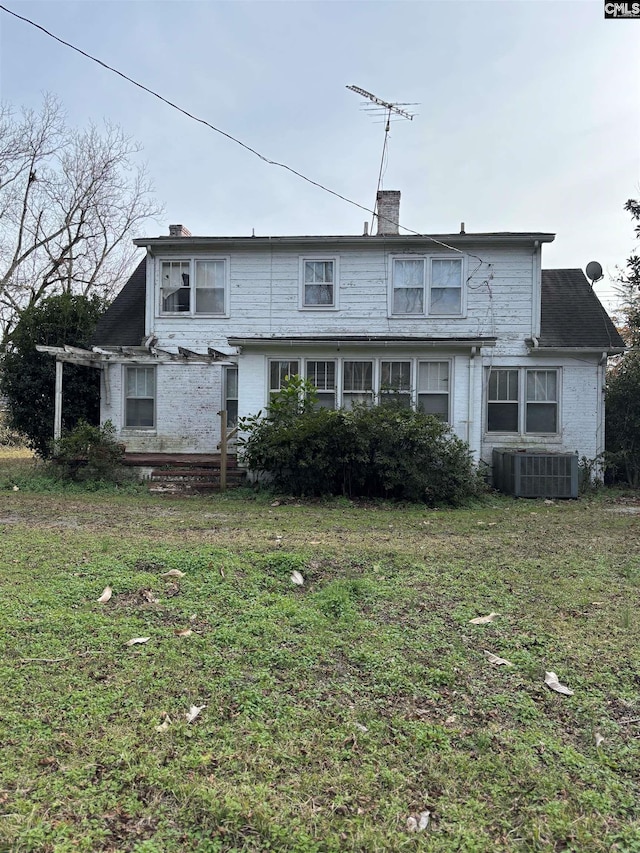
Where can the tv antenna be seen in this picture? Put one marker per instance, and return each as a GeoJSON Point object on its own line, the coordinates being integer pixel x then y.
{"type": "Point", "coordinates": [387, 110]}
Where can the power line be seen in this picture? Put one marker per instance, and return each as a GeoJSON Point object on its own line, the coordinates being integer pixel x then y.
{"type": "Point", "coordinates": [221, 132]}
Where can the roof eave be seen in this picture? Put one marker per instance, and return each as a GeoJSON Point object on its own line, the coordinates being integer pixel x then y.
{"type": "Point", "coordinates": [587, 350]}
{"type": "Point", "coordinates": [170, 243]}
{"type": "Point", "coordinates": [361, 341]}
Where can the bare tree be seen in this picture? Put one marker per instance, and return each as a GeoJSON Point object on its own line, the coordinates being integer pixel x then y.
{"type": "Point", "coordinates": [69, 203]}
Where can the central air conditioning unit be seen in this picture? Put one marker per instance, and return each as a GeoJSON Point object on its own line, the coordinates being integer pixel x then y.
{"type": "Point", "coordinates": [535, 473]}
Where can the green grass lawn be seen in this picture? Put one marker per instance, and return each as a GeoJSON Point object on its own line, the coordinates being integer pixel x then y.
{"type": "Point", "coordinates": [331, 712]}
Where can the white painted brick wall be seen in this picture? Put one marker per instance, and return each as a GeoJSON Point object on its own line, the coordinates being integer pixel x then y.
{"type": "Point", "coordinates": [188, 399]}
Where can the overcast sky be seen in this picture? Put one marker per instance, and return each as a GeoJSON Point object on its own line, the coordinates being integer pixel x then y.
{"type": "Point", "coordinates": [527, 111]}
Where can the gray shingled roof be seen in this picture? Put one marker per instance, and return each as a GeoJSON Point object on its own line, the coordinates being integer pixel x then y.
{"type": "Point", "coordinates": [122, 325]}
{"type": "Point", "coordinates": [572, 315]}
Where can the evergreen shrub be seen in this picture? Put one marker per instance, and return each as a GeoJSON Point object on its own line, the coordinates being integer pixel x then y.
{"type": "Point", "coordinates": [382, 451]}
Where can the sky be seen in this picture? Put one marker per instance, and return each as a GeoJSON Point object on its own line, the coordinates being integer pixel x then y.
{"type": "Point", "coordinates": [527, 112]}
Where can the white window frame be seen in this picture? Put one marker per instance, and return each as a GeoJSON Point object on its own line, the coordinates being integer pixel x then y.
{"type": "Point", "coordinates": [427, 261]}
{"type": "Point", "coordinates": [193, 260]}
{"type": "Point", "coordinates": [376, 395]}
{"type": "Point", "coordinates": [419, 393]}
{"type": "Point", "coordinates": [383, 394]}
{"type": "Point", "coordinates": [126, 397]}
{"type": "Point", "coordinates": [523, 403]}
{"type": "Point", "coordinates": [324, 392]}
{"type": "Point", "coordinates": [226, 399]}
{"type": "Point", "coordinates": [373, 393]}
{"type": "Point", "coordinates": [320, 258]}
{"type": "Point", "coordinates": [270, 361]}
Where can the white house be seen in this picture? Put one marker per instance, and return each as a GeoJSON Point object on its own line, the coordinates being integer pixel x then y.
{"type": "Point", "coordinates": [466, 326]}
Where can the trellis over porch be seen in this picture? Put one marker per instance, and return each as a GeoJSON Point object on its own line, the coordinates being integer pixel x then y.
{"type": "Point", "coordinates": [196, 471]}
{"type": "Point", "coordinates": [100, 358]}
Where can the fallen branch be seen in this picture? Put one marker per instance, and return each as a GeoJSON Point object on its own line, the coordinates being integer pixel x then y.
{"type": "Point", "coordinates": [58, 660]}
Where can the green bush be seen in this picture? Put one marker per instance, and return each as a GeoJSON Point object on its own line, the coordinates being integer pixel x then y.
{"type": "Point", "coordinates": [622, 431]}
{"type": "Point", "coordinates": [27, 377]}
{"type": "Point", "coordinates": [384, 451]}
{"type": "Point", "coordinates": [89, 453]}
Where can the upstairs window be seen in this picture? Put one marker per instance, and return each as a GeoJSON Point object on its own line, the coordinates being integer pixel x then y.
{"type": "Point", "coordinates": [196, 286]}
{"type": "Point", "coordinates": [318, 282]}
{"type": "Point", "coordinates": [445, 293]}
{"type": "Point", "coordinates": [426, 287]}
{"type": "Point", "coordinates": [408, 286]}
{"type": "Point", "coordinates": [176, 287]}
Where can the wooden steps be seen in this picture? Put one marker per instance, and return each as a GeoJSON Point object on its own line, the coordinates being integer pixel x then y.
{"type": "Point", "coordinates": [185, 473]}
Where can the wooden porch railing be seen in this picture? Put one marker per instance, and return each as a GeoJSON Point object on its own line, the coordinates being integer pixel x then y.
{"type": "Point", "coordinates": [223, 447]}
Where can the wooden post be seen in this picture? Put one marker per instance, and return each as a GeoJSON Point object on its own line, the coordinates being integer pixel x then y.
{"type": "Point", "coordinates": [223, 450]}
{"type": "Point", "coordinates": [57, 415]}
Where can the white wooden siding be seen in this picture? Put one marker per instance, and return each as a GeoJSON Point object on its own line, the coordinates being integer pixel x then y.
{"type": "Point", "coordinates": [264, 300]}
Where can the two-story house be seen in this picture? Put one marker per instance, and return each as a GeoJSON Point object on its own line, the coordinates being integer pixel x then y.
{"type": "Point", "coordinates": [465, 326]}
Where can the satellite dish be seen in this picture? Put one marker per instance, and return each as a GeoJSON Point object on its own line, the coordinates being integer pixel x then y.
{"type": "Point", "coordinates": [594, 272]}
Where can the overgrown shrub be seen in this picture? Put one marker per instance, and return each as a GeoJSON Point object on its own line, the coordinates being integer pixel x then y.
{"type": "Point", "coordinates": [622, 430]}
{"type": "Point", "coordinates": [27, 377]}
{"type": "Point", "coordinates": [89, 453]}
{"type": "Point", "coordinates": [383, 451]}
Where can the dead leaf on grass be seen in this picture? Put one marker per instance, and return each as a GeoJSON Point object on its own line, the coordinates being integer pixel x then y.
{"type": "Point", "coordinates": [275, 503]}
{"type": "Point", "coordinates": [165, 724]}
{"type": "Point", "coordinates": [137, 641]}
{"type": "Point", "coordinates": [16, 488]}
{"type": "Point", "coordinates": [483, 620]}
{"type": "Point", "coordinates": [173, 573]}
{"type": "Point", "coordinates": [106, 595]}
{"type": "Point", "coordinates": [551, 680]}
{"type": "Point", "coordinates": [418, 823]}
{"type": "Point", "coordinates": [498, 661]}
{"type": "Point", "coordinates": [361, 728]}
{"type": "Point", "coordinates": [194, 711]}
{"type": "Point", "coordinates": [185, 632]}
{"type": "Point", "coordinates": [297, 578]}
{"type": "Point", "coordinates": [314, 542]}
{"type": "Point", "coordinates": [598, 739]}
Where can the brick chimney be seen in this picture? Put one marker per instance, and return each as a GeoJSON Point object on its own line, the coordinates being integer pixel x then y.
{"type": "Point", "coordinates": [388, 211]}
{"type": "Point", "coordinates": [179, 231]}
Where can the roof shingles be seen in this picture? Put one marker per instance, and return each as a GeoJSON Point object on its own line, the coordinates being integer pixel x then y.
{"type": "Point", "coordinates": [572, 315]}
{"type": "Point", "coordinates": [122, 325]}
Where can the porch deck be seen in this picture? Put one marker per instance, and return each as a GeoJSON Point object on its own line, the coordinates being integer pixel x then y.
{"type": "Point", "coordinates": [185, 473]}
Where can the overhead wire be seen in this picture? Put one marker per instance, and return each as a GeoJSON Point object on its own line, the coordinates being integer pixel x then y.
{"type": "Point", "coordinates": [228, 136]}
